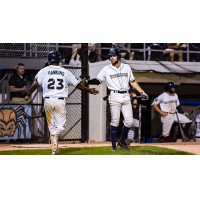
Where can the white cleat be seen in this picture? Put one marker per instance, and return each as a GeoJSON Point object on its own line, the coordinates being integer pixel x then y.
{"type": "Point", "coordinates": [54, 145]}
{"type": "Point", "coordinates": [55, 152]}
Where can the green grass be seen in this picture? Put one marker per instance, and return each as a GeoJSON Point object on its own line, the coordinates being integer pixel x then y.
{"type": "Point", "coordinates": [136, 150]}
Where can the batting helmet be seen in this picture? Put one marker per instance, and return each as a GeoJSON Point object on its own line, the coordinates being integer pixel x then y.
{"type": "Point", "coordinates": [169, 86]}
{"type": "Point", "coordinates": [54, 57]}
{"type": "Point", "coordinates": [115, 52]}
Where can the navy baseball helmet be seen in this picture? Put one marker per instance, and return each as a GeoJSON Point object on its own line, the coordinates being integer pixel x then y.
{"type": "Point", "coordinates": [54, 57]}
{"type": "Point", "coordinates": [169, 86]}
{"type": "Point", "coordinates": [115, 51]}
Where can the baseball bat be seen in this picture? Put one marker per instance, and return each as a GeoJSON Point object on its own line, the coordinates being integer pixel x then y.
{"type": "Point", "coordinates": [182, 133]}
{"type": "Point", "coordinates": [105, 98]}
{"type": "Point", "coordinates": [139, 97]}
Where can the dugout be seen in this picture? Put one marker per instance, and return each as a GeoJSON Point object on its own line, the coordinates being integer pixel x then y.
{"type": "Point", "coordinates": [151, 76]}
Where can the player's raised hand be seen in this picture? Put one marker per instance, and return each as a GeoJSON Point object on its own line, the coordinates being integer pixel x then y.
{"type": "Point", "coordinates": [94, 91]}
{"type": "Point", "coordinates": [27, 99]}
{"type": "Point", "coordinates": [146, 97]}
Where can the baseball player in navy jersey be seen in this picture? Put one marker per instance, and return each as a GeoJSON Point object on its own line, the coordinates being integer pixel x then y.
{"type": "Point", "coordinates": [55, 80]}
{"type": "Point", "coordinates": [169, 105]}
{"type": "Point", "coordinates": [118, 76]}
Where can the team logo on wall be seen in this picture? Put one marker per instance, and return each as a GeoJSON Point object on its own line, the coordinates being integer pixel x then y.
{"type": "Point", "coordinates": [15, 122]}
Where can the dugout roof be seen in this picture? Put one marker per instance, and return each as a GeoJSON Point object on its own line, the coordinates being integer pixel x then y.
{"type": "Point", "coordinates": [159, 67]}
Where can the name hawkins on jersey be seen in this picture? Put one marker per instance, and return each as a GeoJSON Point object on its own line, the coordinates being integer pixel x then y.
{"type": "Point", "coordinates": [56, 72]}
{"type": "Point", "coordinates": [118, 75]}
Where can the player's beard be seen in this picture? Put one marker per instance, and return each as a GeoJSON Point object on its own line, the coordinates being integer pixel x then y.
{"type": "Point", "coordinates": [114, 63]}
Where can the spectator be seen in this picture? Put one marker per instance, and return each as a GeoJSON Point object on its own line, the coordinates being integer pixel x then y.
{"type": "Point", "coordinates": [76, 62]}
{"type": "Point", "coordinates": [93, 49]}
{"type": "Point", "coordinates": [157, 56]}
{"type": "Point", "coordinates": [124, 47]}
{"type": "Point", "coordinates": [193, 56]}
{"type": "Point", "coordinates": [18, 85]}
{"type": "Point", "coordinates": [175, 46]}
{"type": "Point", "coordinates": [138, 54]}
{"type": "Point", "coordinates": [133, 132]}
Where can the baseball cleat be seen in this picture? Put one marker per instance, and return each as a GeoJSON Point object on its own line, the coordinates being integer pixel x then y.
{"type": "Point", "coordinates": [113, 148]}
{"type": "Point", "coordinates": [54, 144]}
{"type": "Point", "coordinates": [124, 146]}
{"type": "Point", "coordinates": [55, 152]}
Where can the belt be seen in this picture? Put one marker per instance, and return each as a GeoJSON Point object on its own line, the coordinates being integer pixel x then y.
{"type": "Point", "coordinates": [61, 98]}
{"type": "Point", "coordinates": [169, 112]}
{"type": "Point", "coordinates": [121, 92]}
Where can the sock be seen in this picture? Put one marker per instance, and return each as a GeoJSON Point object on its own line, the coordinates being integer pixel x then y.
{"type": "Point", "coordinates": [113, 133]}
{"type": "Point", "coordinates": [124, 134]}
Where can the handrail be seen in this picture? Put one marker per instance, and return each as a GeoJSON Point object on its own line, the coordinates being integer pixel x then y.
{"type": "Point", "coordinates": [57, 46]}
{"type": "Point", "coordinates": [4, 78]}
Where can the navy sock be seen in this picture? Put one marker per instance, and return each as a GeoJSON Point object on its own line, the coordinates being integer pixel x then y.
{"type": "Point", "coordinates": [124, 134]}
{"type": "Point", "coordinates": [113, 133]}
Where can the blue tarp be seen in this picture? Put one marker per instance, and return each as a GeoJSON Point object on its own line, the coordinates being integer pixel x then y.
{"type": "Point", "coordinates": [193, 103]}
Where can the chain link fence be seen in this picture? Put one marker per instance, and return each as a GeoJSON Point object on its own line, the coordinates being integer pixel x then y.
{"type": "Point", "coordinates": [39, 130]}
{"type": "Point", "coordinates": [27, 49]}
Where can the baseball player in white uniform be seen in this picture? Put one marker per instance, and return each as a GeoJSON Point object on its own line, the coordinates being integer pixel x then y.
{"type": "Point", "coordinates": [55, 80]}
{"type": "Point", "coordinates": [118, 76]}
{"type": "Point", "coordinates": [169, 105]}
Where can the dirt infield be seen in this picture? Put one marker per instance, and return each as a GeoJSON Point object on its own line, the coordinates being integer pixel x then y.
{"type": "Point", "coordinates": [192, 147]}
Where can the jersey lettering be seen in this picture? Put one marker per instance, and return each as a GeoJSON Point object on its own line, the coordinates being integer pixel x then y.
{"type": "Point", "coordinates": [118, 75]}
{"type": "Point", "coordinates": [52, 83]}
{"type": "Point", "coordinates": [60, 83]}
{"type": "Point", "coordinates": [172, 101]}
{"type": "Point", "coordinates": [56, 72]}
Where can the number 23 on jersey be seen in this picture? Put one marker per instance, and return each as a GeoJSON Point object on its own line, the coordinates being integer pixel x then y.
{"type": "Point", "coordinates": [52, 84]}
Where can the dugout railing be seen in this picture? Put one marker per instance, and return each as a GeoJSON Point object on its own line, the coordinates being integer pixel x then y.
{"type": "Point", "coordinates": [36, 50]}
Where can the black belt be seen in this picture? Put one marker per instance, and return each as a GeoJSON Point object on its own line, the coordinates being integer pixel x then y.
{"type": "Point", "coordinates": [62, 98]}
{"type": "Point", "coordinates": [122, 92]}
{"type": "Point", "coordinates": [169, 112]}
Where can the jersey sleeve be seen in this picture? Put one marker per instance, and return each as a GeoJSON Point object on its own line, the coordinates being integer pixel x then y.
{"type": "Point", "coordinates": [157, 100]}
{"type": "Point", "coordinates": [178, 102]}
{"type": "Point", "coordinates": [101, 76]}
{"type": "Point", "coordinates": [132, 78]}
{"type": "Point", "coordinates": [72, 80]}
{"type": "Point", "coordinates": [39, 77]}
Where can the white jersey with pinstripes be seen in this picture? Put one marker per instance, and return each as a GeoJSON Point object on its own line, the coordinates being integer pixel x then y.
{"type": "Point", "coordinates": [167, 103]}
{"type": "Point", "coordinates": [55, 81]}
{"type": "Point", "coordinates": [116, 78]}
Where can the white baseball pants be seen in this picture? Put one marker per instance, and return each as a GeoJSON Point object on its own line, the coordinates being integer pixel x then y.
{"type": "Point", "coordinates": [120, 102]}
{"type": "Point", "coordinates": [131, 132]}
{"type": "Point", "coordinates": [56, 115]}
{"type": "Point", "coordinates": [168, 121]}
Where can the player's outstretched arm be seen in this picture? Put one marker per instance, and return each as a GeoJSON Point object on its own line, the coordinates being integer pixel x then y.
{"type": "Point", "coordinates": [90, 90]}
{"type": "Point", "coordinates": [135, 85]}
{"type": "Point", "coordinates": [91, 82]}
{"type": "Point", "coordinates": [31, 90]}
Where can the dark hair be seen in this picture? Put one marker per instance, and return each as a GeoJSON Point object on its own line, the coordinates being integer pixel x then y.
{"type": "Point", "coordinates": [19, 64]}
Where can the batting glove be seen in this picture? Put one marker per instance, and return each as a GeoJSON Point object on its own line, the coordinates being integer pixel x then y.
{"type": "Point", "coordinates": [84, 81]}
{"type": "Point", "coordinates": [146, 97]}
